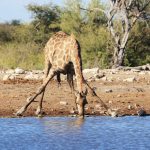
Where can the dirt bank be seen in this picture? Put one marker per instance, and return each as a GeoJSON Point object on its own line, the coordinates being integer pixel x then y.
{"type": "Point", "coordinates": [124, 91]}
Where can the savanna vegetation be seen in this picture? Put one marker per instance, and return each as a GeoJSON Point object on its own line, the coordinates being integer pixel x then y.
{"type": "Point", "coordinates": [21, 44]}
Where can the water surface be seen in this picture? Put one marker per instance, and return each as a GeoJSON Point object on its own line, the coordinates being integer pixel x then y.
{"type": "Point", "coordinates": [66, 133]}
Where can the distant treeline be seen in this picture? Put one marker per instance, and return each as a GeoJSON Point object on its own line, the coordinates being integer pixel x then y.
{"type": "Point", "coordinates": [22, 44]}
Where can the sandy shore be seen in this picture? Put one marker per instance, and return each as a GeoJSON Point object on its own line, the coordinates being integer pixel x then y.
{"type": "Point", "coordinates": [123, 91]}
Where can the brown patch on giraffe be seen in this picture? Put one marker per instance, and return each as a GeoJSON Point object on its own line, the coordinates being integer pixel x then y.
{"type": "Point", "coordinates": [55, 57]}
{"type": "Point", "coordinates": [59, 63]}
{"type": "Point", "coordinates": [63, 58]}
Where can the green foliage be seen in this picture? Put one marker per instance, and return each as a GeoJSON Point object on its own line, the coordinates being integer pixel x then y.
{"type": "Point", "coordinates": [6, 33]}
{"type": "Point", "coordinates": [138, 49]}
{"type": "Point", "coordinates": [21, 45]}
{"type": "Point", "coordinates": [15, 22]}
{"type": "Point", "coordinates": [71, 18]}
{"type": "Point", "coordinates": [22, 33]}
{"type": "Point", "coordinates": [95, 18]}
{"type": "Point", "coordinates": [21, 55]}
{"type": "Point", "coordinates": [94, 43]}
{"type": "Point", "coordinates": [44, 15]}
{"type": "Point", "coordinates": [88, 30]}
{"type": "Point", "coordinates": [46, 20]}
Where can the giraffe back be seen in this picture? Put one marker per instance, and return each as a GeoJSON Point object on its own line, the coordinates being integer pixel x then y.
{"type": "Point", "coordinates": [61, 49]}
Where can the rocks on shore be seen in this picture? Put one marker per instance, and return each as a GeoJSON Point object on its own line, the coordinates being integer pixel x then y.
{"type": "Point", "coordinates": [106, 75]}
{"type": "Point", "coordinates": [64, 103]}
{"type": "Point", "coordinates": [108, 90]}
{"type": "Point", "coordinates": [19, 71]}
{"type": "Point", "coordinates": [132, 79]}
{"type": "Point", "coordinates": [141, 112]}
{"type": "Point", "coordinates": [9, 77]}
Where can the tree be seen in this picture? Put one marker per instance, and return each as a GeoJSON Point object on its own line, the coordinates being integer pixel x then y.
{"type": "Point", "coordinates": [95, 18]}
{"type": "Point", "coordinates": [15, 22]}
{"type": "Point", "coordinates": [130, 11]}
{"type": "Point", "coordinates": [122, 16]}
{"type": "Point", "coordinates": [45, 20]}
{"type": "Point", "coordinates": [94, 37]}
{"type": "Point", "coordinates": [88, 29]}
{"type": "Point", "coordinates": [6, 33]}
{"type": "Point", "coordinates": [71, 18]}
{"type": "Point", "coordinates": [138, 47]}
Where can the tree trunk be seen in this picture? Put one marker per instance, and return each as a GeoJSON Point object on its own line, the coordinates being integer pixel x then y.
{"type": "Point", "coordinates": [118, 57]}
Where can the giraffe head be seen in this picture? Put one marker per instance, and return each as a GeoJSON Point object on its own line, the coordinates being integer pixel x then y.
{"type": "Point", "coordinates": [81, 101]}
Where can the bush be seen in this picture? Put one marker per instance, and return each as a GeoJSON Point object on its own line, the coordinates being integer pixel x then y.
{"type": "Point", "coordinates": [6, 33]}
{"type": "Point", "coordinates": [27, 56]}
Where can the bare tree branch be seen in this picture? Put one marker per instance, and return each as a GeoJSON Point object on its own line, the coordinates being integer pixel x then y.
{"type": "Point", "coordinates": [93, 10]}
{"type": "Point", "coordinates": [130, 11]}
{"type": "Point", "coordinates": [146, 4]}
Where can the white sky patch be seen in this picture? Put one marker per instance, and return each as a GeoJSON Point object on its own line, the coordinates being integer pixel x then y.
{"type": "Point", "coordinates": [16, 9]}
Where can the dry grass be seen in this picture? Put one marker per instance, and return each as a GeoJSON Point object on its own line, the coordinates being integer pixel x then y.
{"type": "Point", "coordinates": [27, 56]}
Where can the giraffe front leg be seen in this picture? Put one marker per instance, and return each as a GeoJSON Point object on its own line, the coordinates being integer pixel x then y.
{"type": "Point", "coordinates": [80, 103]}
{"type": "Point", "coordinates": [80, 110]}
{"type": "Point", "coordinates": [39, 91]}
{"type": "Point", "coordinates": [39, 111]}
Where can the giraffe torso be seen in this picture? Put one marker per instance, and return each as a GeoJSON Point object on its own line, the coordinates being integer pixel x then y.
{"type": "Point", "coordinates": [60, 50]}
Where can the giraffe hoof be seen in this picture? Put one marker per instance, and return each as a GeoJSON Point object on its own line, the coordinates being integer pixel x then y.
{"type": "Point", "coordinates": [39, 112]}
{"type": "Point", "coordinates": [39, 115]}
{"type": "Point", "coordinates": [81, 116]}
{"type": "Point", "coordinates": [20, 111]}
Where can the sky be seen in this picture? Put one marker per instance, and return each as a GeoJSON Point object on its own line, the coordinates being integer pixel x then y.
{"type": "Point", "coordinates": [16, 9]}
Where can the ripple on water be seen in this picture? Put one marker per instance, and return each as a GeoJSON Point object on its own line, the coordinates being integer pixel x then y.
{"type": "Point", "coordinates": [59, 133]}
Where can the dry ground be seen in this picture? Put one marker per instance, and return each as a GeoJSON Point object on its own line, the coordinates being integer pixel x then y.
{"type": "Point", "coordinates": [126, 97]}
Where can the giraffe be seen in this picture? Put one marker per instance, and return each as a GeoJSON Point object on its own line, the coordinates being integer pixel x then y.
{"type": "Point", "coordinates": [62, 55]}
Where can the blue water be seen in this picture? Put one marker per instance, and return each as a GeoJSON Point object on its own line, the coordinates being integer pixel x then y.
{"type": "Point", "coordinates": [66, 133]}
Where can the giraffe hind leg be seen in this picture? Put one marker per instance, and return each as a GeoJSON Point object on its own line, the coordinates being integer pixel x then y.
{"type": "Point", "coordinates": [70, 81]}
{"type": "Point", "coordinates": [58, 80]}
{"type": "Point", "coordinates": [47, 68]}
{"type": "Point", "coordinates": [71, 84]}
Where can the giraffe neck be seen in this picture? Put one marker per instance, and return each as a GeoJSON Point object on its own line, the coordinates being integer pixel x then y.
{"type": "Point", "coordinates": [79, 83]}
{"type": "Point", "coordinates": [79, 75]}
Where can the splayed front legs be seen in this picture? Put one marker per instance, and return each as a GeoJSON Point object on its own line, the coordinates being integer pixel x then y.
{"type": "Point", "coordinates": [80, 101]}
{"type": "Point", "coordinates": [41, 90]}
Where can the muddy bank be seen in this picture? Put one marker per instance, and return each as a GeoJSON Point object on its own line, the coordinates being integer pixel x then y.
{"type": "Point", "coordinates": [125, 91]}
